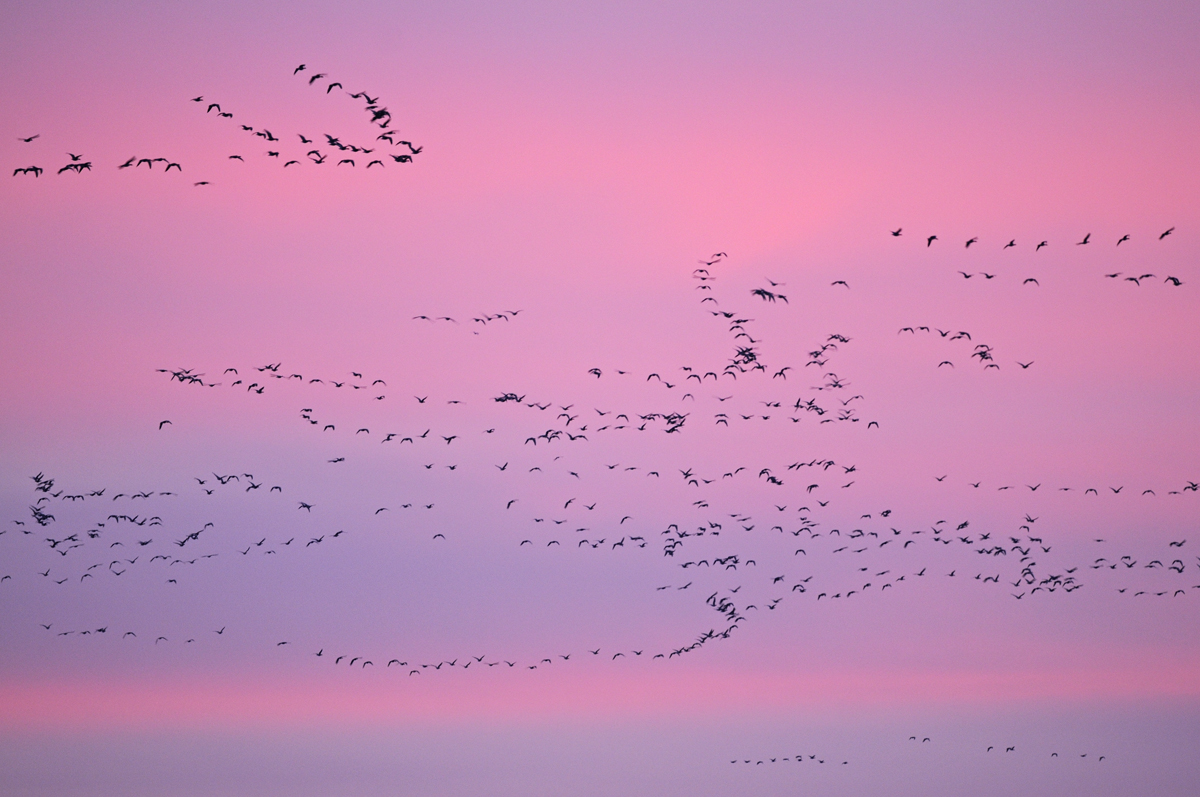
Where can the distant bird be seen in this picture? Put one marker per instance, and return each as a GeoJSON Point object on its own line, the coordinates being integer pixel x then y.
{"type": "Point", "coordinates": [929, 241]}
{"type": "Point", "coordinates": [1164, 235]}
{"type": "Point", "coordinates": [1086, 238]}
{"type": "Point", "coordinates": [38, 135]}
{"type": "Point", "coordinates": [896, 232]}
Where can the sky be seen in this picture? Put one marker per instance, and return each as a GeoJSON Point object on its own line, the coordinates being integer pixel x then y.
{"type": "Point", "coordinates": [703, 451]}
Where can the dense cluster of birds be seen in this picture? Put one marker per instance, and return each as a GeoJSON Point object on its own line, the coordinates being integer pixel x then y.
{"type": "Point", "coordinates": [815, 557]}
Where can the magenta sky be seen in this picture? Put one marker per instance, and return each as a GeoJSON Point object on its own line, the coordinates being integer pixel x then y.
{"type": "Point", "coordinates": [577, 164]}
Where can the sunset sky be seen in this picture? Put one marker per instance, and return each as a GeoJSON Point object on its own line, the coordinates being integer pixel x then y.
{"type": "Point", "coordinates": [608, 200]}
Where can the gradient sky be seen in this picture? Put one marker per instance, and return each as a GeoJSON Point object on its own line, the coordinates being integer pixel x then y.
{"type": "Point", "coordinates": [578, 162]}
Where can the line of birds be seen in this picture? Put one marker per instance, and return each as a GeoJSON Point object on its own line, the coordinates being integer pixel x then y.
{"type": "Point", "coordinates": [1012, 242]}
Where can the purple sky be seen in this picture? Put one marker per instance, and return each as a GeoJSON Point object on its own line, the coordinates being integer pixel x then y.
{"type": "Point", "coordinates": [576, 166]}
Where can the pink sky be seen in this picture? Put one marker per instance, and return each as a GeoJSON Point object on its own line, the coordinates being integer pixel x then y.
{"type": "Point", "coordinates": [577, 164]}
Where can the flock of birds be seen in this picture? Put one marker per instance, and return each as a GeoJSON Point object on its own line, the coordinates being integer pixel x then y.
{"type": "Point", "coordinates": [812, 758]}
{"type": "Point", "coordinates": [741, 556]}
{"type": "Point", "coordinates": [1135, 278]}
{"type": "Point", "coordinates": [387, 146]}
{"type": "Point", "coordinates": [826, 560]}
